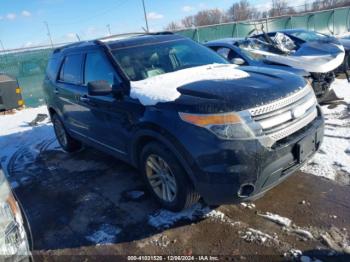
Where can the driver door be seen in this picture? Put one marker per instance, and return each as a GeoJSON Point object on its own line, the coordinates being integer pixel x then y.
{"type": "Point", "coordinates": [108, 114]}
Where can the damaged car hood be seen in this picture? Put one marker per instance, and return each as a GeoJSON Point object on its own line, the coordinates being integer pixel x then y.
{"type": "Point", "coordinates": [315, 57]}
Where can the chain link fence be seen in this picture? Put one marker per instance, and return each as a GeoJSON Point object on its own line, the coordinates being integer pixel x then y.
{"type": "Point", "coordinates": [28, 65]}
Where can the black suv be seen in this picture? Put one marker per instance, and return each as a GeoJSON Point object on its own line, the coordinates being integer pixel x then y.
{"type": "Point", "coordinates": [173, 109]}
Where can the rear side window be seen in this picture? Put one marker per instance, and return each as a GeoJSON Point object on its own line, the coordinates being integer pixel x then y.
{"type": "Point", "coordinates": [71, 69]}
{"type": "Point", "coordinates": [97, 67]}
{"type": "Point", "coordinates": [52, 68]}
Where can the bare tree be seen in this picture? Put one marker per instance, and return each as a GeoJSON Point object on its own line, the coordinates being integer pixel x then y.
{"type": "Point", "coordinates": [280, 7]}
{"type": "Point", "coordinates": [318, 5]}
{"type": "Point", "coordinates": [173, 26]}
{"type": "Point", "coordinates": [210, 17]}
{"type": "Point", "coordinates": [243, 11]}
{"type": "Point", "coordinates": [188, 21]}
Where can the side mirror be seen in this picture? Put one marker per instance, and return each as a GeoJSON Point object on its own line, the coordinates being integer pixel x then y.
{"type": "Point", "coordinates": [99, 88]}
{"type": "Point", "coordinates": [238, 61]}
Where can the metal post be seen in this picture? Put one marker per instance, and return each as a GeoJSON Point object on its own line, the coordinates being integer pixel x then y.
{"type": "Point", "coordinates": [333, 33]}
{"type": "Point", "coordinates": [267, 24]}
{"type": "Point", "coordinates": [2, 46]}
{"type": "Point", "coordinates": [109, 29]}
{"type": "Point", "coordinates": [145, 14]}
{"type": "Point", "coordinates": [48, 33]}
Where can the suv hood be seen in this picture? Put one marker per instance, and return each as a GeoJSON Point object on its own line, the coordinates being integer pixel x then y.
{"type": "Point", "coordinates": [261, 87]}
{"type": "Point", "coordinates": [216, 88]}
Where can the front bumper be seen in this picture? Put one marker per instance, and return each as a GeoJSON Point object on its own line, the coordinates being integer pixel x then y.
{"type": "Point", "coordinates": [224, 175]}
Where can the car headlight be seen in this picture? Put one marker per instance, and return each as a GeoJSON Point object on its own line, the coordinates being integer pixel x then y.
{"type": "Point", "coordinates": [13, 237]}
{"type": "Point", "coordinates": [226, 125]}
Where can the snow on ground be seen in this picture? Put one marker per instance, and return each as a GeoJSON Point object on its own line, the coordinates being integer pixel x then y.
{"type": "Point", "coordinates": [165, 218]}
{"type": "Point", "coordinates": [283, 221]}
{"type": "Point", "coordinates": [334, 155]}
{"type": "Point", "coordinates": [254, 235]}
{"type": "Point", "coordinates": [15, 132]}
{"type": "Point", "coordinates": [163, 88]}
{"type": "Point", "coordinates": [106, 234]}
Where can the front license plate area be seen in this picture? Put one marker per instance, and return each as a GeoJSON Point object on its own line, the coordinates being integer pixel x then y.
{"type": "Point", "coordinates": [306, 147]}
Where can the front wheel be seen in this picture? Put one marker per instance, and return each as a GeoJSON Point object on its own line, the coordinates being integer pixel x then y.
{"type": "Point", "coordinates": [166, 179]}
{"type": "Point", "coordinates": [68, 143]}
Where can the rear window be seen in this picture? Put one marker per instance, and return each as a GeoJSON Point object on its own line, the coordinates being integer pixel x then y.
{"type": "Point", "coordinates": [71, 69]}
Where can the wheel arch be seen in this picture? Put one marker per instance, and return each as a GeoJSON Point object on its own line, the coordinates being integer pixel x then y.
{"type": "Point", "coordinates": [142, 138]}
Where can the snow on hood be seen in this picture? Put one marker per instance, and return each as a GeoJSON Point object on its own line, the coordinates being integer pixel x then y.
{"type": "Point", "coordinates": [163, 88]}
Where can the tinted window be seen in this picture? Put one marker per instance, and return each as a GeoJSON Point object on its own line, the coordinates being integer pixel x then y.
{"type": "Point", "coordinates": [52, 68]}
{"type": "Point", "coordinates": [224, 52]}
{"type": "Point", "coordinates": [71, 69]}
{"type": "Point", "coordinates": [97, 67]}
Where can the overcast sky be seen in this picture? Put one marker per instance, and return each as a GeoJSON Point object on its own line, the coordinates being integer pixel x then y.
{"type": "Point", "coordinates": [22, 21]}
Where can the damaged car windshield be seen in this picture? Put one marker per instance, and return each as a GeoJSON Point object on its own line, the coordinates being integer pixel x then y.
{"type": "Point", "coordinates": [309, 35]}
{"type": "Point", "coordinates": [142, 62]}
{"type": "Point", "coordinates": [256, 48]}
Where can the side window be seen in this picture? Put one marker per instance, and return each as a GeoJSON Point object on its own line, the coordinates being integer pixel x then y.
{"type": "Point", "coordinates": [97, 67]}
{"type": "Point", "coordinates": [230, 54]}
{"type": "Point", "coordinates": [224, 52]}
{"type": "Point", "coordinates": [52, 68]}
{"type": "Point", "coordinates": [71, 69]}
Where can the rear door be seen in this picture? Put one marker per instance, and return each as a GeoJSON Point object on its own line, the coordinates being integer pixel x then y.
{"type": "Point", "coordinates": [69, 89]}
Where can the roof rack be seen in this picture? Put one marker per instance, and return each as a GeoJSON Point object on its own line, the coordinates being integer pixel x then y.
{"type": "Point", "coordinates": [128, 35]}
{"type": "Point", "coordinates": [59, 49]}
{"type": "Point", "coordinates": [110, 38]}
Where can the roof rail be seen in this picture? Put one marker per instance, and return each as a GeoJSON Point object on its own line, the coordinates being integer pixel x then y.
{"type": "Point", "coordinates": [127, 35]}
{"type": "Point", "coordinates": [59, 49]}
{"type": "Point", "coordinates": [110, 38]}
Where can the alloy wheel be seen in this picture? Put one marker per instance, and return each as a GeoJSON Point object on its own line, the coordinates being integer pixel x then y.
{"type": "Point", "coordinates": [161, 178]}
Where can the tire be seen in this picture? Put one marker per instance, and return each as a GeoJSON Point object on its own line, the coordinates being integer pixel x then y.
{"type": "Point", "coordinates": [166, 179]}
{"type": "Point", "coordinates": [68, 143]}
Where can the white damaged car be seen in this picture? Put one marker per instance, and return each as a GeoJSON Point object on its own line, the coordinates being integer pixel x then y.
{"type": "Point", "coordinates": [318, 54]}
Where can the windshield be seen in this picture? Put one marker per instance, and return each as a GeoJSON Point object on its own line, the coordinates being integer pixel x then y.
{"type": "Point", "coordinates": [142, 62]}
{"type": "Point", "coordinates": [308, 35]}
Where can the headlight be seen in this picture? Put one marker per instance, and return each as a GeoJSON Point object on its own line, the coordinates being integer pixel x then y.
{"type": "Point", "coordinates": [13, 238]}
{"type": "Point", "coordinates": [226, 125]}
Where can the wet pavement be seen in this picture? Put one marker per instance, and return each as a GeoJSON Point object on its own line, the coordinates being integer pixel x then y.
{"type": "Point", "coordinates": [89, 203]}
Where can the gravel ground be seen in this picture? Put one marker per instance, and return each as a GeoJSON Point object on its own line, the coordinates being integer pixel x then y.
{"type": "Point", "coordinates": [89, 205]}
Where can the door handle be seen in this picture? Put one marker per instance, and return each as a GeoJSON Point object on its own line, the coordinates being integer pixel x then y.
{"type": "Point", "coordinates": [84, 99]}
